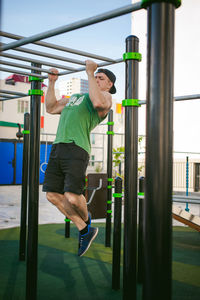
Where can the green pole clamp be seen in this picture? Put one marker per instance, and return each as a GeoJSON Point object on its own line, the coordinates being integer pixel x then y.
{"type": "Point", "coordinates": [110, 132]}
{"type": "Point", "coordinates": [109, 211]}
{"type": "Point", "coordinates": [110, 123]}
{"type": "Point", "coordinates": [146, 3]}
{"type": "Point", "coordinates": [140, 194]}
{"type": "Point", "coordinates": [132, 55]}
{"type": "Point", "coordinates": [110, 179]}
{"type": "Point", "coordinates": [109, 201]}
{"type": "Point", "coordinates": [109, 187]}
{"type": "Point", "coordinates": [33, 78]}
{"type": "Point", "coordinates": [35, 92]}
{"type": "Point", "coordinates": [117, 195]}
{"type": "Point", "coordinates": [67, 220]}
{"type": "Point", "coordinates": [26, 131]}
{"type": "Point", "coordinates": [130, 102]}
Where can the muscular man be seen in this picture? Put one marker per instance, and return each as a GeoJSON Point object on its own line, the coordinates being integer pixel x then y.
{"type": "Point", "coordinates": [65, 174]}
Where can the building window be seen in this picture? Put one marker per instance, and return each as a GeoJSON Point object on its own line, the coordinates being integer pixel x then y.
{"type": "Point", "coordinates": [10, 81]}
{"type": "Point", "coordinates": [22, 106]}
{"type": "Point", "coordinates": [1, 106]}
{"type": "Point", "coordinates": [92, 138]}
{"type": "Point", "coordinates": [92, 158]}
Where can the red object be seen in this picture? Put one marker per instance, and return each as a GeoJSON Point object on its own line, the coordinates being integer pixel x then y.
{"type": "Point", "coordinates": [19, 78]}
{"type": "Point", "coordinates": [42, 122]}
{"type": "Point", "coordinates": [42, 99]}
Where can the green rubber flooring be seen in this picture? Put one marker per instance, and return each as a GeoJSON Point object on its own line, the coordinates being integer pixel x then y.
{"type": "Point", "coordinates": [64, 275]}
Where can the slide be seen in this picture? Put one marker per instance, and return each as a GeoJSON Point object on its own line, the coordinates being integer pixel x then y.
{"type": "Point", "coordinates": [186, 217]}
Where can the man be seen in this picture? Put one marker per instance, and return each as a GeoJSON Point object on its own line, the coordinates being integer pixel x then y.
{"type": "Point", "coordinates": [65, 174]}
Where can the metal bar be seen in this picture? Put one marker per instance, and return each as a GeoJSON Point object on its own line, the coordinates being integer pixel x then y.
{"type": "Point", "coordinates": [8, 63]}
{"type": "Point", "coordinates": [76, 25]}
{"type": "Point", "coordinates": [24, 193]}
{"type": "Point", "coordinates": [34, 162]}
{"type": "Point", "coordinates": [99, 66]}
{"type": "Point", "coordinates": [45, 54]}
{"type": "Point", "coordinates": [2, 95]}
{"type": "Point", "coordinates": [191, 201]}
{"type": "Point", "coordinates": [157, 234]}
{"type": "Point", "coordinates": [36, 61]}
{"type": "Point", "coordinates": [186, 152]}
{"type": "Point", "coordinates": [21, 72]}
{"type": "Point", "coordinates": [117, 235]}
{"type": "Point", "coordinates": [178, 98]}
{"type": "Point", "coordinates": [11, 98]}
{"type": "Point", "coordinates": [13, 93]}
{"type": "Point", "coordinates": [131, 172]}
{"type": "Point", "coordinates": [67, 229]}
{"type": "Point", "coordinates": [181, 199]}
{"type": "Point", "coordinates": [6, 97]}
{"type": "Point", "coordinates": [61, 48]}
{"type": "Point", "coordinates": [60, 74]}
{"type": "Point", "coordinates": [140, 233]}
{"type": "Point", "coordinates": [186, 197]}
{"type": "Point", "coordinates": [186, 201]}
{"type": "Point", "coordinates": [187, 97]}
{"type": "Point", "coordinates": [109, 173]}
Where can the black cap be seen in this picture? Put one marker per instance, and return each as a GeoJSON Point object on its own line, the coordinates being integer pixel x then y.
{"type": "Point", "coordinates": [111, 76]}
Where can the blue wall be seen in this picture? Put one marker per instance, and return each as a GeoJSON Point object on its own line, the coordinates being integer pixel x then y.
{"type": "Point", "coordinates": [11, 159]}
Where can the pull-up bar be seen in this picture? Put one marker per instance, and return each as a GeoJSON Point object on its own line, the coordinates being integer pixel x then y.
{"type": "Point", "coordinates": [61, 73]}
{"type": "Point", "coordinates": [61, 48]}
{"type": "Point", "coordinates": [45, 54]}
{"type": "Point", "coordinates": [36, 61]}
{"type": "Point", "coordinates": [22, 73]}
{"type": "Point", "coordinates": [3, 62]}
{"type": "Point", "coordinates": [76, 25]}
{"type": "Point", "coordinates": [103, 64]}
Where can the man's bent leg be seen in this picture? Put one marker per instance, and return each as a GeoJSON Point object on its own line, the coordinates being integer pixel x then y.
{"type": "Point", "coordinates": [65, 207]}
{"type": "Point", "coordinates": [79, 204]}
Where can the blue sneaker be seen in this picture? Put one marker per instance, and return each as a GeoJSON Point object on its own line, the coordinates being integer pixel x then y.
{"type": "Point", "coordinates": [88, 224]}
{"type": "Point", "coordinates": [86, 240]}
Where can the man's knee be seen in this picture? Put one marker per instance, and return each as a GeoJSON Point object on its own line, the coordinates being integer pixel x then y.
{"type": "Point", "coordinates": [53, 198]}
{"type": "Point", "coordinates": [72, 198]}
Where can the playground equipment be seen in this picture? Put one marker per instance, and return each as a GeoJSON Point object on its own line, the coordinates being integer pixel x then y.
{"type": "Point", "coordinates": [157, 207]}
{"type": "Point", "coordinates": [185, 217]}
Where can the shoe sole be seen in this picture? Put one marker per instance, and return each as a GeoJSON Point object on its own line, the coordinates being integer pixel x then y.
{"type": "Point", "coordinates": [90, 242]}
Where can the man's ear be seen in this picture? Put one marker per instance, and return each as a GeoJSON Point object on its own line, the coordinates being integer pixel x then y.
{"type": "Point", "coordinates": [110, 85]}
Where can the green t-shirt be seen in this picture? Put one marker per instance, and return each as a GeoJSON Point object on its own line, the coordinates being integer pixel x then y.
{"type": "Point", "coordinates": [77, 120]}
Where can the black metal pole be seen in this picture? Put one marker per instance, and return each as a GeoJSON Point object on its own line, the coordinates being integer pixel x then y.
{"type": "Point", "coordinates": [131, 170]}
{"type": "Point", "coordinates": [117, 234]}
{"type": "Point", "coordinates": [22, 239]}
{"type": "Point", "coordinates": [140, 232]}
{"type": "Point", "coordinates": [67, 228]}
{"type": "Point", "coordinates": [159, 139]}
{"type": "Point", "coordinates": [109, 172]}
{"type": "Point", "coordinates": [34, 163]}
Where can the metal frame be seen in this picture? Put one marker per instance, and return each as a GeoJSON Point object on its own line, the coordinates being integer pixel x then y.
{"type": "Point", "coordinates": [76, 25]}
{"type": "Point", "coordinates": [157, 242]}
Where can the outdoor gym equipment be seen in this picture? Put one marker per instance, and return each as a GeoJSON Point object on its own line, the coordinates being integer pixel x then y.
{"type": "Point", "coordinates": [159, 103]}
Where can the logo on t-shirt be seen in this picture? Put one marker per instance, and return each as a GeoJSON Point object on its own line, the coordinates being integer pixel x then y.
{"type": "Point", "coordinates": [75, 100]}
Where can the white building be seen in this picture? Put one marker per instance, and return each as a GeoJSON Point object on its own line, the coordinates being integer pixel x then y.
{"type": "Point", "coordinates": [73, 86]}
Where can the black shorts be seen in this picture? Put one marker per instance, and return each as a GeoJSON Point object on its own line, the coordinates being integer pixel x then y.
{"type": "Point", "coordinates": [66, 169]}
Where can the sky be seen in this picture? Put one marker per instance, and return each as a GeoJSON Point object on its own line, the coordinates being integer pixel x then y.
{"type": "Point", "coordinates": [107, 38]}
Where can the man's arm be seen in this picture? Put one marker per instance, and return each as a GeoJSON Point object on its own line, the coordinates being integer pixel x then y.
{"type": "Point", "coordinates": [53, 106]}
{"type": "Point", "coordinates": [101, 100]}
